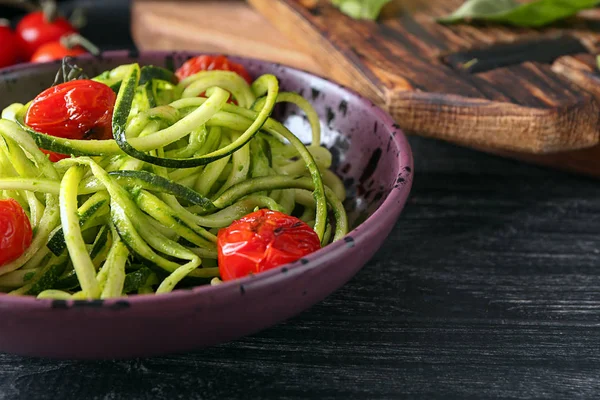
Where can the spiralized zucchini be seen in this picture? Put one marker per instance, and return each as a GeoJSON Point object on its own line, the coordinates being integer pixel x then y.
{"type": "Point", "coordinates": [139, 213]}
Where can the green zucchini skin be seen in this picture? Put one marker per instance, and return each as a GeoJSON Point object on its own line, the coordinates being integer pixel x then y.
{"type": "Point", "coordinates": [67, 282]}
{"type": "Point", "coordinates": [100, 242]}
{"type": "Point", "coordinates": [150, 72]}
{"type": "Point", "coordinates": [57, 244]}
{"type": "Point", "coordinates": [116, 87]}
{"type": "Point", "coordinates": [136, 279]}
{"type": "Point", "coordinates": [154, 182]}
{"type": "Point", "coordinates": [48, 276]}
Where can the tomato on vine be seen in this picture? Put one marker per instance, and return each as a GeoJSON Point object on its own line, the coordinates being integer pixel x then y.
{"type": "Point", "coordinates": [55, 51]}
{"type": "Point", "coordinates": [38, 28]}
{"type": "Point", "coordinates": [70, 45]}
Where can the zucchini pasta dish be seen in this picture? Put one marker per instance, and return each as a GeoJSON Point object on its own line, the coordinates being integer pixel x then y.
{"type": "Point", "coordinates": [143, 180]}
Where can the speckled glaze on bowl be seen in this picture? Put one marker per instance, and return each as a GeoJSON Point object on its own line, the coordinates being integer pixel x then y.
{"type": "Point", "coordinates": [372, 156]}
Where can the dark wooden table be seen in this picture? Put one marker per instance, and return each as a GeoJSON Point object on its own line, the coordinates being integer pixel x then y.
{"type": "Point", "coordinates": [488, 287]}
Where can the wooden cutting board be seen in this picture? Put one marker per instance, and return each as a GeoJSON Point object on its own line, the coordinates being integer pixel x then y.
{"type": "Point", "coordinates": [535, 111]}
{"type": "Point", "coordinates": [225, 26]}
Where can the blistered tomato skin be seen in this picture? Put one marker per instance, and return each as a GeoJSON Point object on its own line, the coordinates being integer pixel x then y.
{"type": "Point", "coordinates": [211, 63]}
{"type": "Point", "coordinates": [261, 241]}
{"type": "Point", "coordinates": [80, 109]}
{"type": "Point", "coordinates": [15, 231]}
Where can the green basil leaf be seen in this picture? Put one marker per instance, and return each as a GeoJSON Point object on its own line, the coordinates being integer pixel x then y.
{"type": "Point", "coordinates": [361, 9]}
{"type": "Point", "coordinates": [534, 14]}
{"type": "Point", "coordinates": [479, 9]}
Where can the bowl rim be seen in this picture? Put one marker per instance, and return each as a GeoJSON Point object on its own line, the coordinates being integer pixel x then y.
{"type": "Point", "coordinates": [393, 203]}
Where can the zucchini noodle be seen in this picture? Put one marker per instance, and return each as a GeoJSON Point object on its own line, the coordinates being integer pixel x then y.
{"type": "Point", "coordinates": [139, 213]}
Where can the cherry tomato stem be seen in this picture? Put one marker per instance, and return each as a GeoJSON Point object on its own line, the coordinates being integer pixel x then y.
{"type": "Point", "coordinates": [50, 10]}
{"type": "Point", "coordinates": [69, 45]}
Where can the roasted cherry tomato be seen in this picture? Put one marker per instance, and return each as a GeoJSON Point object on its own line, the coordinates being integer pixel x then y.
{"type": "Point", "coordinates": [8, 43]}
{"type": "Point", "coordinates": [35, 30]}
{"type": "Point", "coordinates": [210, 63]}
{"type": "Point", "coordinates": [263, 240]}
{"type": "Point", "coordinates": [79, 109]}
{"type": "Point", "coordinates": [55, 51]}
{"type": "Point", "coordinates": [15, 231]}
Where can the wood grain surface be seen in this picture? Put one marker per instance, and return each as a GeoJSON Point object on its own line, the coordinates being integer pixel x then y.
{"type": "Point", "coordinates": [399, 61]}
{"type": "Point", "coordinates": [487, 288]}
{"type": "Point", "coordinates": [221, 26]}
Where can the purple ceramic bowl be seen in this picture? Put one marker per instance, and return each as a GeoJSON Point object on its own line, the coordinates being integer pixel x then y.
{"type": "Point", "coordinates": [372, 156]}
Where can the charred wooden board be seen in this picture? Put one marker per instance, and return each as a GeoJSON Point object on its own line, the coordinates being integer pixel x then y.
{"type": "Point", "coordinates": [527, 93]}
{"type": "Point", "coordinates": [213, 26]}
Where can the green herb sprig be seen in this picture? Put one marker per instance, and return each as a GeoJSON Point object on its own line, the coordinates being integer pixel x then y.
{"type": "Point", "coordinates": [535, 14]}
{"type": "Point", "coordinates": [361, 9]}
